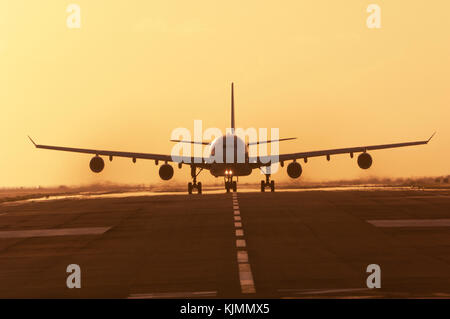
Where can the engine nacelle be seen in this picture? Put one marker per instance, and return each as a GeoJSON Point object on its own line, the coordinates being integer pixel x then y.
{"type": "Point", "coordinates": [166, 172]}
{"type": "Point", "coordinates": [364, 160]}
{"type": "Point", "coordinates": [97, 164]}
{"type": "Point", "coordinates": [294, 170]}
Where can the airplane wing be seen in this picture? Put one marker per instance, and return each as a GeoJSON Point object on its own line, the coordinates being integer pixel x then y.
{"type": "Point", "coordinates": [348, 150]}
{"type": "Point", "coordinates": [157, 157]}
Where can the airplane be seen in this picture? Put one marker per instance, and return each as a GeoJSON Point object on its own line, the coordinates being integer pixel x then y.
{"type": "Point", "coordinates": [230, 167]}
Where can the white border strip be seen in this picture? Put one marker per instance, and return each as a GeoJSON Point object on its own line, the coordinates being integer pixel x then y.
{"type": "Point", "coordinates": [164, 295]}
{"type": "Point", "coordinates": [53, 232]}
{"type": "Point", "coordinates": [410, 222]}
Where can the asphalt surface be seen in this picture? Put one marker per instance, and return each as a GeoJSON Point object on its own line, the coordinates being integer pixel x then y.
{"type": "Point", "coordinates": [297, 244]}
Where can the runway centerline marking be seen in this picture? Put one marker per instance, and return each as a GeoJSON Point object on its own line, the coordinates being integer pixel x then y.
{"type": "Point", "coordinates": [245, 272]}
{"type": "Point", "coordinates": [242, 256]}
{"type": "Point", "coordinates": [410, 222]}
{"type": "Point", "coordinates": [246, 279]}
{"type": "Point", "coordinates": [53, 232]}
{"type": "Point", "coordinates": [240, 243]}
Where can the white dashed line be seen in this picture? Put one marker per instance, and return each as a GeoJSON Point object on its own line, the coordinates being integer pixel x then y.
{"type": "Point", "coordinates": [246, 279]}
{"type": "Point", "coordinates": [242, 256]}
{"type": "Point", "coordinates": [245, 272]}
{"type": "Point", "coordinates": [240, 243]}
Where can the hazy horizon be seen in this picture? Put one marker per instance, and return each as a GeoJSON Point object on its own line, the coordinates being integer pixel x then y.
{"type": "Point", "coordinates": [442, 179]}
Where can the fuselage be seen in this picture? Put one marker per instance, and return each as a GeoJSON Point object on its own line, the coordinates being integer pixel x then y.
{"type": "Point", "coordinates": [229, 155]}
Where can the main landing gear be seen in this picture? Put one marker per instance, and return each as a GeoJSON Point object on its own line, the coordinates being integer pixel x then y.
{"type": "Point", "coordinates": [268, 183]}
{"type": "Point", "coordinates": [194, 184]}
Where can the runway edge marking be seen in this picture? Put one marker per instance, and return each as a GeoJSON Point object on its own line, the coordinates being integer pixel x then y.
{"type": "Point", "coordinates": [30, 233]}
{"type": "Point", "coordinates": [165, 295]}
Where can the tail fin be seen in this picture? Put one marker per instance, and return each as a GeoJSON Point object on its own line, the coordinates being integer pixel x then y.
{"type": "Point", "coordinates": [232, 107]}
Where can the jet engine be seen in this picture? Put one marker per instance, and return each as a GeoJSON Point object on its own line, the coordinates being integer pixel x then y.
{"type": "Point", "coordinates": [364, 160]}
{"type": "Point", "coordinates": [166, 172]}
{"type": "Point", "coordinates": [97, 164]}
{"type": "Point", "coordinates": [294, 170]}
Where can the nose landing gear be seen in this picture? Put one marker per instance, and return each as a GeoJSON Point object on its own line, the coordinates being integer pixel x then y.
{"type": "Point", "coordinates": [230, 184]}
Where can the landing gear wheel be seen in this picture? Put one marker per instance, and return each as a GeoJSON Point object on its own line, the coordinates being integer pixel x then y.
{"type": "Point", "coordinates": [272, 186]}
{"type": "Point", "coordinates": [234, 186]}
{"type": "Point", "coordinates": [199, 187]}
{"type": "Point", "coordinates": [263, 186]}
{"type": "Point", "coordinates": [190, 188]}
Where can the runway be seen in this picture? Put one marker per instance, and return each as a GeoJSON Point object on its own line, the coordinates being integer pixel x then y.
{"type": "Point", "coordinates": [287, 244]}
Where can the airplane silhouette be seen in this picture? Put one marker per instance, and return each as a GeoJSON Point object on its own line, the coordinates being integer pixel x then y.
{"type": "Point", "coordinates": [220, 164]}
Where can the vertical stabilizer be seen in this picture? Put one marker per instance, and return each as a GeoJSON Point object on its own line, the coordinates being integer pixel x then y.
{"type": "Point", "coordinates": [232, 107]}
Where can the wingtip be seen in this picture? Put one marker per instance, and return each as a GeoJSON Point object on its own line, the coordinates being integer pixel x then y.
{"type": "Point", "coordinates": [431, 137]}
{"type": "Point", "coordinates": [32, 140]}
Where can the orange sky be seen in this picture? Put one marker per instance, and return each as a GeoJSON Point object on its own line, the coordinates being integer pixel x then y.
{"type": "Point", "coordinates": [138, 69]}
